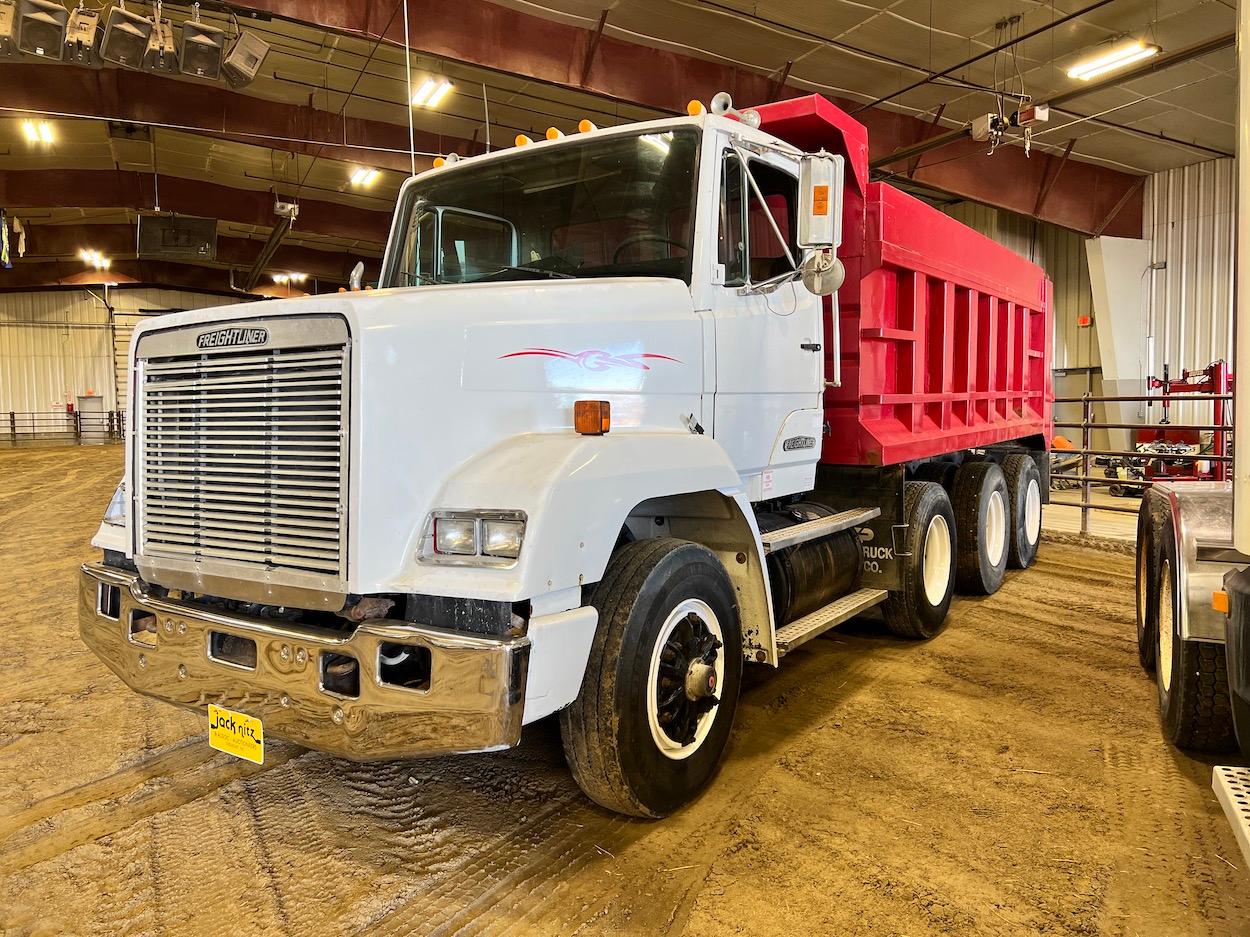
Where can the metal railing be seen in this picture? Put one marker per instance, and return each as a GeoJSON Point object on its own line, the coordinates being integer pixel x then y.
{"type": "Point", "coordinates": [1218, 458]}
{"type": "Point", "coordinates": [26, 428]}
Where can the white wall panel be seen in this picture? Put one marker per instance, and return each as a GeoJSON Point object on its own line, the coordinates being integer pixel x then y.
{"type": "Point", "coordinates": [1189, 220]}
{"type": "Point", "coordinates": [58, 344]}
{"type": "Point", "coordinates": [1061, 253]}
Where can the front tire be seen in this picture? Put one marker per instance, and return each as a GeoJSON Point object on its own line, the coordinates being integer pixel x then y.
{"type": "Point", "coordinates": [983, 526]}
{"type": "Point", "coordinates": [1149, 520]}
{"type": "Point", "coordinates": [918, 610]}
{"type": "Point", "coordinates": [647, 731]}
{"type": "Point", "coordinates": [1194, 706]}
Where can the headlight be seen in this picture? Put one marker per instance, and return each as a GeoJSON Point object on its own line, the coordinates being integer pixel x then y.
{"type": "Point", "coordinates": [502, 538]}
{"type": "Point", "coordinates": [116, 512]}
{"type": "Point", "coordinates": [477, 536]}
{"type": "Point", "coordinates": [455, 535]}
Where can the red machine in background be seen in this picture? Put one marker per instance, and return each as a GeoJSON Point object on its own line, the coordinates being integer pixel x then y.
{"type": "Point", "coordinates": [1158, 442]}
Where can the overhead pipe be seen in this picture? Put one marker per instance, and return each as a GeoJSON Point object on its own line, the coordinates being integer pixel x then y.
{"type": "Point", "coordinates": [276, 236]}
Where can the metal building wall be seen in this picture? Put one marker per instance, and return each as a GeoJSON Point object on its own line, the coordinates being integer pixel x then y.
{"type": "Point", "coordinates": [58, 344]}
{"type": "Point", "coordinates": [1061, 253]}
{"type": "Point", "coordinates": [1189, 220]}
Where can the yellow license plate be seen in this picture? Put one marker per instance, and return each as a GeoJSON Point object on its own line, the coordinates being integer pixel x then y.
{"type": "Point", "coordinates": [236, 734]}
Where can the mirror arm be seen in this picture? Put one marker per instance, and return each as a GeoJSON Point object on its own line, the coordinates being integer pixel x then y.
{"type": "Point", "coordinates": [772, 222]}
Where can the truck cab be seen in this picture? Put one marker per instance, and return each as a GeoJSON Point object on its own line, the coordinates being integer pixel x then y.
{"type": "Point", "coordinates": [565, 458]}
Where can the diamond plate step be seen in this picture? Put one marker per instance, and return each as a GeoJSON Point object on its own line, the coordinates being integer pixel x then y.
{"type": "Point", "coordinates": [1232, 787]}
{"type": "Point", "coordinates": [818, 622]}
{"type": "Point", "coordinates": [820, 527]}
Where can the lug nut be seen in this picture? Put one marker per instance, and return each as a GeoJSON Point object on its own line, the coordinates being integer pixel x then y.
{"type": "Point", "coordinates": [169, 626]}
{"type": "Point", "coordinates": [285, 701]}
{"type": "Point", "coordinates": [182, 627]}
{"type": "Point", "coordinates": [337, 715]}
{"type": "Point", "coordinates": [300, 656]}
{"type": "Point", "coordinates": [143, 661]}
{"type": "Point", "coordinates": [285, 653]}
{"type": "Point", "coordinates": [182, 671]}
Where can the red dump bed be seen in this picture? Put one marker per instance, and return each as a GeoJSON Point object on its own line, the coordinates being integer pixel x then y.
{"type": "Point", "coordinates": [946, 334]}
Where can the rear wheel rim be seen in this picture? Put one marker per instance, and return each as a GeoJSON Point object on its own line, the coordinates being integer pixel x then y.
{"type": "Point", "coordinates": [1165, 626]}
{"type": "Point", "coordinates": [1033, 511]}
{"type": "Point", "coordinates": [685, 679]}
{"type": "Point", "coordinates": [995, 528]}
{"type": "Point", "coordinates": [936, 562]}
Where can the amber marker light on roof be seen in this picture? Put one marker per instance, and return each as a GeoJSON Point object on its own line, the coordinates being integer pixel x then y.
{"type": "Point", "coordinates": [585, 126]}
{"type": "Point", "coordinates": [553, 133]}
{"type": "Point", "coordinates": [695, 108]}
{"type": "Point", "coordinates": [592, 417]}
{"type": "Point", "coordinates": [523, 140]}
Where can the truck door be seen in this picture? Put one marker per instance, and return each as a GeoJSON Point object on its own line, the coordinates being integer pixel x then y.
{"type": "Point", "coordinates": [769, 345]}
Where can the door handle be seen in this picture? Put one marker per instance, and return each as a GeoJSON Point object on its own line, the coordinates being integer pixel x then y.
{"type": "Point", "coordinates": [810, 346]}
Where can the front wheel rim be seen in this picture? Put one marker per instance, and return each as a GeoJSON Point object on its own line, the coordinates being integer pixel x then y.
{"type": "Point", "coordinates": [685, 679]}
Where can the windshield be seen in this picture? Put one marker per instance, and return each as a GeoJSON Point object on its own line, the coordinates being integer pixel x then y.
{"type": "Point", "coordinates": [606, 206]}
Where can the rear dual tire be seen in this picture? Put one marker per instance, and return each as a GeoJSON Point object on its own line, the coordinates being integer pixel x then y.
{"type": "Point", "coordinates": [918, 610]}
{"type": "Point", "coordinates": [983, 527]}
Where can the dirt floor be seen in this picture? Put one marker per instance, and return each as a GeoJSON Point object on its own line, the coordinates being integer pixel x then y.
{"type": "Point", "coordinates": [1006, 778]}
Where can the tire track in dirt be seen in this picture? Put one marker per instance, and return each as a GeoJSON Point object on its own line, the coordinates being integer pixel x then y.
{"type": "Point", "coordinates": [115, 815]}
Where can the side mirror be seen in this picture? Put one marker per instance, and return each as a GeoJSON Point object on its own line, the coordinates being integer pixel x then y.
{"type": "Point", "coordinates": [357, 275]}
{"type": "Point", "coordinates": [820, 201]}
{"type": "Point", "coordinates": [820, 221]}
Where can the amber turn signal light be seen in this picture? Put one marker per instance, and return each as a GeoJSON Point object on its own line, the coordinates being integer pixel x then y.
{"type": "Point", "coordinates": [1219, 601]}
{"type": "Point", "coordinates": [592, 417]}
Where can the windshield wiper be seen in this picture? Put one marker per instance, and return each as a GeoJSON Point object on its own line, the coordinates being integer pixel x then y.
{"type": "Point", "coordinates": [552, 274]}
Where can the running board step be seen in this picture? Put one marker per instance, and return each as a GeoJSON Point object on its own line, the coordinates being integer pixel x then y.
{"type": "Point", "coordinates": [818, 622]}
{"type": "Point", "coordinates": [820, 527]}
{"type": "Point", "coordinates": [1232, 787]}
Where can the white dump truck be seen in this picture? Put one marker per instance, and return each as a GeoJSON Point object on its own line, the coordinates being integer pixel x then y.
{"type": "Point", "coordinates": [628, 409]}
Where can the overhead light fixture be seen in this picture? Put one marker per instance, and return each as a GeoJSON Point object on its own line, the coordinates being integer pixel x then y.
{"type": "Point", "coordinates": [8, 28]}
{"type": "Point", "coordinates": [161, 54]}
{"type": "Point", "coordinates": [431, 92]}
{"type": "Point", "coordinates": [94, 258]}
{"type": "Point", "coordinates": [1121, 54]}
{"type": "Point", "coordinates": [41, 28]}
{"type": "Point", "coordinates": [364, 177]}
{"type": "Point", "coordinates": [40, 132]}
{"type": "Point", "coordinates": [126, 37]}
{"type": "Point", "coordinates": [285, 279]}
{"type": "Point", "coordinates": [203, 48]}
{"type": "Point", "coordinates": [82, 37]}
{"type": "Point", "coordinates": [245, 59]}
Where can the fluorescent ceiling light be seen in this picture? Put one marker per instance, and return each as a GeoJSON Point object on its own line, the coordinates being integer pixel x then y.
{"type": "Point", "coordinates": [431, 92]}
{"type": "Point", "coordinates": [94, 258]}
{"type": "Point", "coordinates": [1120, 55]}
{"type": "Point", "coordinates": [37, 132]}
{"type": "Point", "coordinates": [365, 177]}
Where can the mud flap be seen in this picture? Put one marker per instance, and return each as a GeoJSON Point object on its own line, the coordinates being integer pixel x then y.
{"type": "Point", "coordinates": [1237, 653]}
{"type": "Point", "coordinates": [847, 487]}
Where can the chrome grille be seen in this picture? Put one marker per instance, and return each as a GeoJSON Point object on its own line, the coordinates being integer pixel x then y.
{"type": "Point", "coordinates": [241, 458]}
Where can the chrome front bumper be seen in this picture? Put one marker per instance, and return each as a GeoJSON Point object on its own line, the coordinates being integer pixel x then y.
{"type": "Point", "coordinates": [474, 701]}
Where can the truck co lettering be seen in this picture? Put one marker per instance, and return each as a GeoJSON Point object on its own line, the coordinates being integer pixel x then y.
{"type": "Point", "coordinates": [224, 338]}
{"type": "Point", "coordinates": [234, 728]}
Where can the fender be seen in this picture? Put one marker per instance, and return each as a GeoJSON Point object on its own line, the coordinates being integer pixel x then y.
{"type": "Point", "coordinates": [576, 492]}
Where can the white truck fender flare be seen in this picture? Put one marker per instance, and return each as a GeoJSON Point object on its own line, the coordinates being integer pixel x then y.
{"type": "Point", "coordinates": [576, 492]}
